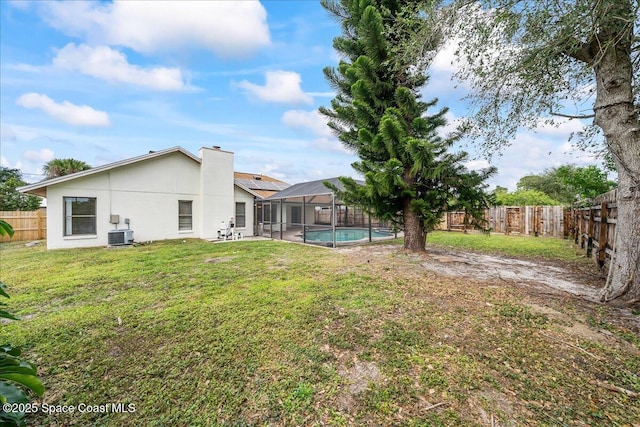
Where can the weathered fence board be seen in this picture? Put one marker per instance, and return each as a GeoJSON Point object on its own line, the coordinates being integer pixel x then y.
{"type": "Point", "coordinates": [27, 225]}
{"type": "Point", "coordinates": [593, 227]}
{"type": "Point", "coordinates": [523, 220]}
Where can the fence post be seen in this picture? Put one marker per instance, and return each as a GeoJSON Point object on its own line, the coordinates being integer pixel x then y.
{"type": "Point", "coordinates": [603, 235]}
{"type": "Point", "coordinates": [40, 234]}
{"type": "Point", "coordinates": [591, 231]}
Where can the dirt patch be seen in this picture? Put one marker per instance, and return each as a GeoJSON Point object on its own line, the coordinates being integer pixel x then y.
{"type": "Point", "coordinates": [358, 377]}
{"type": "Point", "coordinates": [541, 279]}
{"type": "Point", "coordinates": [492, 267]}
{"type": "Point", "coordinates": [492, 407]}
{"type": "Point", "coordinates": [575, 328]}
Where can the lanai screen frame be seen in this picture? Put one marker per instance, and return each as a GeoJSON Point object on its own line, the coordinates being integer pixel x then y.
{"type": "Point", "coordinates": [281, 204]}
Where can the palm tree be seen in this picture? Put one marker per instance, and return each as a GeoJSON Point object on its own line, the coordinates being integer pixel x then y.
{"type": "Point", "coordinates": [60, 167]}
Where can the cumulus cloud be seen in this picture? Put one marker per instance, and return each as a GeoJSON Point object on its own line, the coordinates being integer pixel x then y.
{"type": "Point", "coordinates": [446, 60]}
{"type": "Point", "coordinates": [561, 128]}
{"type": "Point", "coordinates": [4, 162]}
{"type": "Point", "coordinates": [227, 28]}
{"type": "Point", "coordinates": [533, 153]}
{"type": "Point", "coordinates": [316, 124]}
{"type": "Point", "coordinates": [307, 120]}
{"type": "Point", "coordinates": [108, 64]}
{"type": "Point", "coordinates": [453, 123]}
{"type": "Point", "coordinates": [477, 164]}
{"type": "Point", "coordinates": [43, 155]}
{"type": "Point", "coordinates": [280, 87]}
{"type": "Point", "coordinates": [79, 115]}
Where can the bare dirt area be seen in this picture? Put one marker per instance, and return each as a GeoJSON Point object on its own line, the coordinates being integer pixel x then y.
{"type": "Point", "coordinates": [495, 340]}
{"type": "Point", "coordinates": [544, 280]}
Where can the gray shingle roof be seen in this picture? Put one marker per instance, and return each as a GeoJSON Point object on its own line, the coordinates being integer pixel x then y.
{"type": "Point", "coordinates": [311, 188]}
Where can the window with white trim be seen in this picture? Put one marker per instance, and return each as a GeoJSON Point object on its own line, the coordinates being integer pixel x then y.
{"type": "Point", "coordinates": [185, 215]}
{"type": "Point", "coordinates": [79, 216]}
{"type": "Point", "coordinates": [241, 219]}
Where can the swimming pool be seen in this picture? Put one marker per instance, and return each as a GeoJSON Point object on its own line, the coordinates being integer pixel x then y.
{"type": "Point", "coordinates": [345, 235]}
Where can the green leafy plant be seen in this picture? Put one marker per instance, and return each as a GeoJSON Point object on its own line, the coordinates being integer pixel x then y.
{"type": "Point", "coordinates": [5, 228]}
{"type": "Point", "coordinates": [15, 373]}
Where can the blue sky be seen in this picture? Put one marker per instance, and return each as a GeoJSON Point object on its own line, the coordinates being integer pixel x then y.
{"type": "Point", "coordinates": [102, 81]}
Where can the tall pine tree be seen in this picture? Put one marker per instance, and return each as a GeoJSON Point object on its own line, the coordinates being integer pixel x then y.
{"type": "Point", "coordinates": [411, 178]}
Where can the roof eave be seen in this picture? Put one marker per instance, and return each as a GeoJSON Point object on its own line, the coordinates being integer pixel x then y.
{"type": "Point", "coordinates": [42, 185]}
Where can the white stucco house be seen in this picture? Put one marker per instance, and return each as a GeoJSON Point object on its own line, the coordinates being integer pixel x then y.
{"type": "Point", "coordinates": [168, 194]}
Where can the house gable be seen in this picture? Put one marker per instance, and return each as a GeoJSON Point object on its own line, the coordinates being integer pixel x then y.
{"type": "Point", "coordinates": [146, 193]}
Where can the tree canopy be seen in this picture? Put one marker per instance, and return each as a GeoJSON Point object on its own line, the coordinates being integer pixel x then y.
{"type": "Point", "coordinates": [411, 177]}
{"type": "Point", "coordinates": [533, 62]}
{"type": "Point", "coordinates": [60, 167]}
{"type": "Point", "coordinates": [523, 198]}
{"type": "Point", "coordinates": [569, 184]}
{"type": "Point", "coordinates": [10, 198]}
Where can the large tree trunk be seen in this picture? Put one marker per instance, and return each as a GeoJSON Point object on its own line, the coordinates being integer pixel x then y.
{"type": "Point", "coordinates": [616, 115]}
{"type": "Point", "coordinates": [414, 235]}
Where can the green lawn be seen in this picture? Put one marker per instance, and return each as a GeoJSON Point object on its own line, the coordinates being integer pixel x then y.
{"type": "Point", "coordinates": [517, 246]}
{"type": "Point", "coordinates": [279, 334]}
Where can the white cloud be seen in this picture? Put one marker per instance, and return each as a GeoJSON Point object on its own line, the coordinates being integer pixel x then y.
{"type": "Point", "coordinates": [477, 164]}
{"type": "Point", "coordinates": [43, 155]}
{"type": "Point", "coordinates": [111, 65]}
{"type": "Point", "coordinates": [307, 120]}
{"type": "Point", "coordinates": [446, 60]}
{"type": "Point", "coordinates": [531, 154]}
{"type": "Point", "coordinates": [227, 28]}
{"type": "Point", "coordinates": [280, 86]}
{"type": "Point", "coordinates": [452, 125]}
{"type": "Point", "coordinates": [560, 128]}
{"type": "Point", "coordinates": [4, 162]}
{"type": "Point", "coordinates": [79, 115]}
{"type": "Point", "coordinates": [316, 124]}
{"type": "Point", "coordinates": [330, 144]}
{"type": "Point", "coordinates": [322, 94]}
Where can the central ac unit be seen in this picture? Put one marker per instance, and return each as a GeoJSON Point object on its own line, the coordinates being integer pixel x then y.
{"type": "Point", "coordinates": [120, 237]}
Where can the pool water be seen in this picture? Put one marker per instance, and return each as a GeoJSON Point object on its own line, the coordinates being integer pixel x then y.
{"type": "Point", "coordinates": [345, 235]}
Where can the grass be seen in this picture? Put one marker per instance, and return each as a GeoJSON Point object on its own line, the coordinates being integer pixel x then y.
{"type": "Point", "coordinates": [278, 334]}
{"type": "Point", "coordinates": [515, 246]}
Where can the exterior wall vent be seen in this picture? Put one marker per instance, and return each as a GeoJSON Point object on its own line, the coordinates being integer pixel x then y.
{"type": "Point", "coordinates": [120, 237]}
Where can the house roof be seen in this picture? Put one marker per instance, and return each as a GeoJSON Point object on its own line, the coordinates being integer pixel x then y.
{"type": "Point", "coordinates": [39, 188]}
{"type": "Point", "coordinates": [259, 185]}
{"type": "Point", "coordinates": [311, 188]}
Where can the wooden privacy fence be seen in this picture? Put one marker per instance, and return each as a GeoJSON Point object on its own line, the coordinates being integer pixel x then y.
{"type": "Point", "coordinates": [523, 220]}
{"type": "Point", "coordinates": [27, 225]}
{"type": "Point", "coordinates": [594, 227]}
